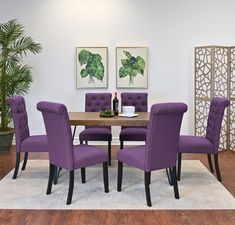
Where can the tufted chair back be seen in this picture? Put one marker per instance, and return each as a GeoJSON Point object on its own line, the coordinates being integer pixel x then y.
{"type": "Point", "coordinates": [95, 102]}
{"type": "Point", "coordinates": [215, 117]}
{"type": "Point", "coordinates": [139, 100]}
{"type": "Point", "coordinates": [20, 119]}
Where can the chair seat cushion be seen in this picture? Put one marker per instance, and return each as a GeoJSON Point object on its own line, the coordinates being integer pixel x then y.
{"type": "Point", "coordinates": [133, 134]}
{"type": "Point", "coordinates": [133, 156]}
{"type": "Point", "coordinates": [96, 134]}
{"type": "Point", "coordinates": [195, 144]}
{"type": "Point", "coordinates": [34, 143]}
{"type": "Point", "coordinates": [87, 155]}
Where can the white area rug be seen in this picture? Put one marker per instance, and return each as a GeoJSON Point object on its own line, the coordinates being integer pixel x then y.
{"type": "Point", "coordinates": [198, 189]}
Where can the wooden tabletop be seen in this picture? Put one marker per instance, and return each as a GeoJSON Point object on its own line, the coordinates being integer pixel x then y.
{"type": "Point", "coordinates": [93, 119]}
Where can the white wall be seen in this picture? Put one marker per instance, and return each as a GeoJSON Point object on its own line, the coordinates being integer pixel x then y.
{"type": "Point", "coordinates": [171, 29]}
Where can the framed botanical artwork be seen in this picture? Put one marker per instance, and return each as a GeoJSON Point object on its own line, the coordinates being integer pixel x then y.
{"type": "Point", "coordinates": [132, 67]}
{"type": "Point", "coordinates": [92, 67]}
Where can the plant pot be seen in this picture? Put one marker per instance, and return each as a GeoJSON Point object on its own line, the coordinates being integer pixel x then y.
{"type": "Point", "coordinates": [6, 138]}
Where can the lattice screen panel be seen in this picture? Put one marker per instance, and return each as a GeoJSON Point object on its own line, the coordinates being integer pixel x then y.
{"type": "Point", "coordinates": [203, 68]}
{"type": "Point", "coordinates": [232, 126]}
{"type": "Point", "coordinates": [232, 99]}
{"type": "Point", "coordinates": [232, 74]}
{"type": "Point", "coordinates": [202, 110]}
{"type": "Point", "coordinates": [221, 72]}
{"type": "Point", "coordinates": [215, 76]}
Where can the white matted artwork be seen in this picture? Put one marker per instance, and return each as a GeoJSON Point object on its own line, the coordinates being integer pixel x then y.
{"type": "Point", "coordinates": [132, 67]}
{"type": "Point", "coordinates": [92, 67]}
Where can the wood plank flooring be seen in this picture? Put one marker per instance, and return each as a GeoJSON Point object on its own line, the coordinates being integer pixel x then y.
{"type": "Point", "coordinates": [123, 217]}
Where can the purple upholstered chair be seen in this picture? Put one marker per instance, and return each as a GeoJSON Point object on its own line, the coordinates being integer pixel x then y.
{"type": "Point", "coordinates": [96, 102]}
{"type": "Point", "coordinates": [62, 153]}
{"type": "Point", "coordinates": [161, 147]}
{"type": "Point", "coordinates": [24, 141]}
{"type": "Point", "coordinates": [210, 143]}
{"type": "Point", "coordinates": [140, 101]}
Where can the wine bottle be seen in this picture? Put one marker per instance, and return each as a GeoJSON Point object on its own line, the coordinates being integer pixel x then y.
{"type": "Point", "coordinates": [115, 104]}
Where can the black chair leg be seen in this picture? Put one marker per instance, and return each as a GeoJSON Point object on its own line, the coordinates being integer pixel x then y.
{"type": "Point", "coordinates": [25, 160]}
{"type": "Point", "coordinates": [109, 152]}
{"type": "Point", "coordinates": [179, 166]}
{"type": "Point", "coordinates": [71, 185]}
{"type": "Point", "coordinates": [83, 175]}
{"type": "Point", "coordinates": [174, 182]}
{"type": "Point", "coordinates": [120, 172]}
{"type": "Point", "coordinates": [56, 174]}
{"type": "Point", "coordinates": [50, 179]}
{"type": "Point", "coordinates": [81, 142]}
{"type": "Point", "coordinates": [74, 131]}
{"type": "Point", "coordinates": [105, 177]}
{"type": "Point", "coordinates": [168, 173]}
{"type": "Point", "coordinates": [210, 163]}
{"type": "Point", "coordinates": [121, 144]}
{"type": "Point", "coordinates": [217, 167]}
{"type": "Point", "coordinates": [17, 164]}
{"type": "Point", "coordinates": [147, 190]}
{"type": "Point", "coordinates": [86, 142]}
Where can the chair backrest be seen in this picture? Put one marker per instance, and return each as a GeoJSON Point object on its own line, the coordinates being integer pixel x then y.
{"type": "Point", "coordinates": [20, 119]}
{"type": "Point", "coordinates": [59, 135]}
{"type": "Point", "coordinates": [95, 102]}
{"type": "Point", "coordinates": [137, 99]}
{"type": "Point", "coordinates": [163, 132]}
{"type": "Point", "coordinates": [215, 117]}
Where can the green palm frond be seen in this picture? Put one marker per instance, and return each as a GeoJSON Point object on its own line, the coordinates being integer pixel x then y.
{"type": "Point", "coordinates": [24, 45]}
{"type": "Point", "coordinates": [10, 31]}
{"type": "Point", "coordinates": [15, 78]}
{"type": "Point", "coordinates": [14, 43]}
{"type": "Point", "coordinates": [18, 80]}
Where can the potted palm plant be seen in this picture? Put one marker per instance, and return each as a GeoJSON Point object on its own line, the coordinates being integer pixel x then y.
{"type": "Point", "coordinates": [15, 77]}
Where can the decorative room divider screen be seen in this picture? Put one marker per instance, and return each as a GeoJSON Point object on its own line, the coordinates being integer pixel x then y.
{"type": "Point", "coordinates": [215, 76]}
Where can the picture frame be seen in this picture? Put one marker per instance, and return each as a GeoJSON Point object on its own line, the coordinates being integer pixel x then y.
{"type": "Point", "coordinates": [91, 63]}
{"type": "Point", "coordinates": [131, 67]}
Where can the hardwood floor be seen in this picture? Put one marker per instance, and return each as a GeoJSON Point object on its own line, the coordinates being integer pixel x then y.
{"type": "Point", "coordinates": [123, 217]}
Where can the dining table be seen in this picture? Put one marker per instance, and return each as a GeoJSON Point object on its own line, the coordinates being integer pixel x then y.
{"type": "Point", "coordinates": [94, 119]}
